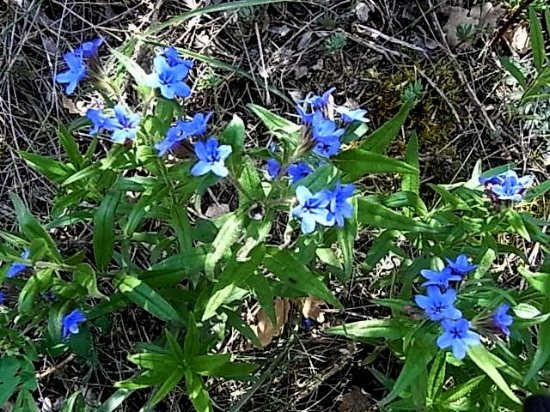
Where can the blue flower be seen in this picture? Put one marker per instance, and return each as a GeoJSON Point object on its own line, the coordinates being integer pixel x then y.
{"type": "Point", "coordinates": [164, 146]}
{"type": "Point", "coordinates": [71, 323]}
{"type": "Point", "coordinates": [461, 266]}
{"type": "Point", "coordinates": [439, 278]}
{"type": "Point", "coordinates": [319, 102]}
{"type": "Point", "coordinates": [510, 186]}
{"type": "Point", "coordinates": [305, 117]}
{"type": "Point", "coordinates": [2, 297]}
{"type": "Point", "coordinates": [173, 58]}
{"type": "Point", "coordinates": [170, 79]}
{"type": "Point", "coordinates": [89, 48]}
{"type": "Point", "coordinates": [312, 209]}
{"type": "Point", "coordinates": [501, 319]}
{"type": "Point", "coordinates": [437, 305]}
{"type": "Point", "coordinates": [75, 74]}
{"type": "Point", "coordinates": [124, 125]}
{"type": "Point", "coordinates": [308, 323]}
{"type": "Point", "coordinates": [273, 168]}
{"type": "Point", "coordinates": [297, 171]}
{"type": "Point", "coordinates": [458, 336]}
{"type": "Point", "coordinates": [211, 158]}
{"type": "Point", "coordinates": [349, 116]}
{"type": "Point", "coordinates": [16, 268]}
{"type": "Point", "coordinates": [326, 135]}
{"type": "Point", "coordinates": [340, 207]}
{"type": "Point", "coordinates": [99, 119]}
{"type": "Point", "coordinates": [196, 126]}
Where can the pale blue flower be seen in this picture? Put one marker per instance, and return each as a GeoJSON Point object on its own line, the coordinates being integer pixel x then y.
{"type": "Point", "coordinates": [170, 79]}
{"type": "Point", "coordinates": [173, 58]}
{"type": "Point", "coordinates": [326, 136]}
{"type": "Point", "coordinates": [458, 336]}
{"type": "Point", "coordinates": [319, 102]}
{"type": "Point", "coordinates": [349, 116]}
{"type": "Point", "coordinates": [211, 158]}
{"type": "Point", "coordinates": [340, 207]}
{"type": "Point", "coordinates": [99, 119]}
{"type": "Point", "coordinates": [16, 268]}
{"type": "Point", "coordinates": [124, 125]}
{"type": "Point", "coordinates": [439, 278]}
{"type": "Point", "coordinates": [502, 320]}
{"type": "Point", "coordinates": [297, 171]}
{"type": "Point", "coordinates": [510, 187]}
{"type": "Point", "coordinates": [438, 305]}
{"type": "Point", "coordinates": [89, 49]}
{"type": "Point", "coordinates": [461, 266]}
{"type": "Point", "coordinates": [273, 168]}
{"type": "Point", "coordinates": [312, 209]}
{"type": "Point", "coordinates": [76, 72]}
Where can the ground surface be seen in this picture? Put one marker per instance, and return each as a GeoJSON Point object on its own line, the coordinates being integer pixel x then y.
{"type": "Point", "coordinates": [463, 117]}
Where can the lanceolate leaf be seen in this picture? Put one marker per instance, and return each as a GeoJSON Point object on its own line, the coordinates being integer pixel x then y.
{"type": "Point", "coordinates": [381, 138]}
{"type": "Point", "coordinates": [104, 229]}
{"type": "Point", "coordinates": [277, 124]}
{"type": "Point", "coordinates": [69, 144]}
{"type": "Point", "coordinates": [346, 240]}
{"type": "Point", "coordinates": [287, 267]}
{"type": "Point", "coordinates": [52, 169]}
{"type": "Point", "coordinates": [132, 67]}
{"type": "Point", "coordinates": [371, 329]}
{"type": "Point", "coordinates": [538, 280]}
{"type": "Point", "coordinates": [234, 135]}
{"type": "Point", "coordinates": [479, 355]}
{"type": "Point", "coordinates": [542, 353]}
{"type": "Point", "coordinates": [196, 390]}
{"type": "Point", "coordinates": [537, 39]}
{"type": "Point", "coordinates": [31, 228]}
{"type": "Point", "coordinates": [357, 163]}
{"type": "Point", "coordinates": [146, 298]}
{"type": "Point", "coordinates": [226, 237]}
{"type": "Point", "coordinates": [376, 215]}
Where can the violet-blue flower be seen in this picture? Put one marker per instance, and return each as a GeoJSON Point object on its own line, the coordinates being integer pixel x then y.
{"type": "Point", "coordinates": [76, 72]}
{"type": "Point", "coordinates": [312, 209]}
{"type": "Point", "coordinates": [438, 305]}
{"type": "Point", "coordinates": [439, 278]}
{"type": "Point", "coordinates": [173, 58]}
{"type": "Point", "coordinates": [502, 320]}
{"type": "Point", "coordinates": [124, 125]}
{"type": "Point", "coordinates": [349, 116]}
{"type": "Point", "coordinates": [458, 336]}
{"type": "Point", "coordinates": [320, 102]}
{"type": "Point", "coordinates": [211, 158]}
{"type": "Point", "coordinates": [305, 116]}
{"type": "Point", "coordinates": [273, 168]}
{"type": "Point", "coordinates": [297, 171]}
{"type": "Point", "coordinates": [71, 323]}
{"type": "Point", "coordinates": [99, 119]}
{"type": "Point", "coordinates": [340, 207]}
{"type": "Point", "coordinates": [197, 125]}
{"type": "Point", "coordinates": [326, 135]}
{"type": "Point", "coordinates": [89, 49]}
{"type": "Point", "coordinates": [170, 79]}
{"type": "Point", "coordinates": [16, 268]}
{"type": "Point", "coordinates": [461, 266]}
{"type": "Point", "coordinates": [511, 186]}
{"type": "Point", "coordinates": [2, 297]}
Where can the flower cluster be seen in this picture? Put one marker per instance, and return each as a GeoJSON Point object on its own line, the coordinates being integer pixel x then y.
{"type": "Point", "coordinates": [327, 207]}
{"type": "Point", "coordinates": [506, 186]}
{"type": "Point", "coordinates": [439, 306]}
{"type": "Point", "coordinates": [77, 69]}
{"type": "Point", "coordinates": [318, 113]}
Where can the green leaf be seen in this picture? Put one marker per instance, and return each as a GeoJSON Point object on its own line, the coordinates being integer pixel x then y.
{"type": "Point", "coordinates": [436, 377]}
{"type": "Point", "coordinates": [235, 274]}
{"type": "Point", "coordinates": [132, 67]}
{"type": "Point", "coordinates": [52, 169]}
{"type": "Point", "coordinates": [460, 391]}
{"type": "Point", "coordinates": [417, 358]}
{"type": "Point", "coordinates": [514, 71]}
{"type": "Point", "coordinates": [250, 181]}
{"type": "Point", "coordinates": [262, 291]}
{"type": "Point", "coordinates": [146, 298]}
{"type": "Point", "coordinates": [174, 347]}
{"type": "Point", "coordinates": [104, 229]}
{"type": "Point", "coordinates": [542, 353]}
{"type": "Point", "coordinates": [290, 269]}
{"type": "Point", "coordinates": [174, 269]}
{"type": "Point", "coordinates": [238, 323]}
{"type": "Point", "coordinates": [86, 277]}
{"type": "Point", "coordinates": [376, 215]}
{"type": "Point", "coordinates": [479, 355]}
{"type": "Point", "coordinates": [115, 400]}
{"type": "Point", "coordinates": [537, 191]}
{"type": "Point", "coordinates": [538, 280]}
{"type": "Point", "coordinates": [234, 135]}
{"type": "Point", "coordinates": [170, 383]}
{"type": "Point", "coordinates": [390, 329]}
{"type": "Point", "coordinates": [380, 248]}
{"type": "Point", "coordinates": [227, 236]}
{"type": "Point", "coordinates": [69, 144]}
{"type": "Point", "coordinates": [346, 240]}
{"type": "Point", "coordinates": [517, 225]}
{"type": "Point", "coordinates": [537, 39]}
{"type": "Point", "coordinates": [31, 228]}
{"type": "Point", "coordinates": [191, 346]}
{"type": "Point", "coordinates": [180, 222]}
{"type": "Point", "coordinates": [235, 370]}
{"type": "Point", "coordinates": [276, 124]}
{"type": "Point", "coordinates": [85, 173]}
{"type": "Point", "coordinates": [357, 163]}
{"type": "Point", "coordinates": [196, 390]}
{"type": "Point", "coordinates": [206, 365]}
{"type": "Point", "coordinates": [380, 139]}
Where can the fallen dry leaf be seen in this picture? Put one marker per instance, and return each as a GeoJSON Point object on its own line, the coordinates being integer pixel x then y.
{"type": "Point", "coordinates": [74, 108]}
{"type": "Point", "coordinates": [264, 328]}
{"type": "Point", "coordinates": [312, 308]}
{"type": "Point", "coordinates": [483, 18]}
{"type": "Point", "coordinates": [518, 39]}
